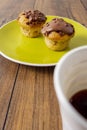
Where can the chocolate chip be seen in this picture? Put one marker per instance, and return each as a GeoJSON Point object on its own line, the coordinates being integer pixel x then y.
{"type": "Point", "coordinates": [47, 24]}
{"type": "Point", "coordinates": [23, 13]}
{"type": "Point", "coordinates": [27, 23]}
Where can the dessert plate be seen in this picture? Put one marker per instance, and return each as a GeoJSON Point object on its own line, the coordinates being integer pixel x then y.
{"type": "Point", "coordinates": [33, 51]}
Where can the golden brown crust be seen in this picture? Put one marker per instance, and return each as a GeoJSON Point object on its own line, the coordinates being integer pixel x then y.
{"type": "Point", "coordinates": [56, 36]}
{"type": "Point", "coordinates": [56, 45]}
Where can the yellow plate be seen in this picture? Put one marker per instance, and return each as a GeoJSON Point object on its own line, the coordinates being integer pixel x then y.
{"type": "Point", "coordinates": [33, 51]}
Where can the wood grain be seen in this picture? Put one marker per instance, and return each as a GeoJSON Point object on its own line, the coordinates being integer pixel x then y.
{"type": "Point", "coordinates": [32, 101]}
{"type": "Point", "coordinates": [8, 71]}
{"type": "Point", "coordinates": [27, 97]}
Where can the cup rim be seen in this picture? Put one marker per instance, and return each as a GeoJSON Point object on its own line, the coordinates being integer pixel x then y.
{"type": "Point", "coordinates": [61, 97]}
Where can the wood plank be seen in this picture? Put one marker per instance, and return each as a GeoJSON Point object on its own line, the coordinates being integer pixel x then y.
{"type": "Point", "coordinates": [21, 109]}
{"type": "Point", "coordinates": [8, 71]}
{"type": "Point", "coordinates": [84, 3]}
{"type": "Point", "coordinates": [77, 11]}
{"type": "Point", "coordinates": [51, 7]}
{"type": "Point", "coordinates": [9, 9]}
{"type": "Point", "coordinates": [34, 105]}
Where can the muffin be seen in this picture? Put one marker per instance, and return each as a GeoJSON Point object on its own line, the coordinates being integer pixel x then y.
{"type": "Point", "coordinates": [57, 34]}
{"type": "Point", "coordinates": [31, 22]}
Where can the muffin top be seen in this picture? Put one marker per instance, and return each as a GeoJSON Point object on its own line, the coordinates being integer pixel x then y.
{"type": "Point", "coordinates": [58, 25]}
{"type": "Point", "coordinates": [33, 17]}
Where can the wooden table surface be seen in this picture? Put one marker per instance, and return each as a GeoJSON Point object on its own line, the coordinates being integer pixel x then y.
{"type": "Point", "coordinates": [27, 97]}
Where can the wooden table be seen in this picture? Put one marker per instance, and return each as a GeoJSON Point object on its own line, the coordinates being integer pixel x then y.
{"type": "Point", "coordinates": [27, 97]}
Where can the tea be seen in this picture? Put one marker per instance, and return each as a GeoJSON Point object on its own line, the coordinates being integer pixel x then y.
{"type": "Point", "coordinates": [79, 101]}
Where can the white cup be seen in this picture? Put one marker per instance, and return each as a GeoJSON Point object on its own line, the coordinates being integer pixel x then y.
{"type": "Point", "coordinates": [70, 76]}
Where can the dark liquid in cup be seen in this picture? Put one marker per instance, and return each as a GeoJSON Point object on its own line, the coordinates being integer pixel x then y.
{"type": "Point", "coordinates": [79, 101]}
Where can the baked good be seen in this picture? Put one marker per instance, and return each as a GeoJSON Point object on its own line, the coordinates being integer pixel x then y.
{"type": "Point", "coordinates": [31, 22]}
{"type": "Point", "coordinates": [58, 33]}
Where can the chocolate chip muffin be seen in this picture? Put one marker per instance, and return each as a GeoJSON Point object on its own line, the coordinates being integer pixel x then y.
{"type": "Point", "coordinates": [31, 22]}
{"type": "Point", "coordinates": [58, 33]}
